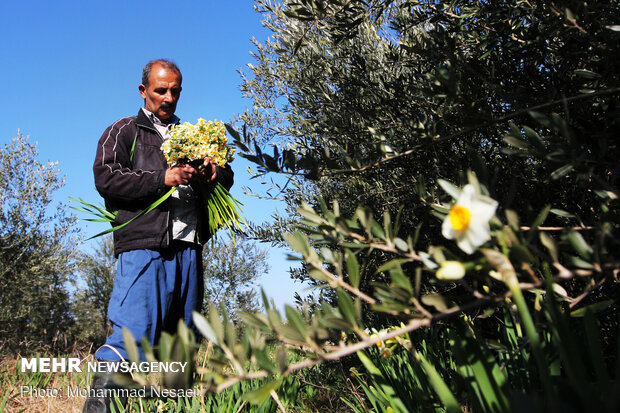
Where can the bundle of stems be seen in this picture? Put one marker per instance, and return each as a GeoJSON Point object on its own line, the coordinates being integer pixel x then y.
{"type": "Point", "coordinates": [104, 215]}
{"type": "Point", "coordinates": [223, 210]}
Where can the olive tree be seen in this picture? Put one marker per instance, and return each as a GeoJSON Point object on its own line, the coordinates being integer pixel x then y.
{"type": "Point", "coordinates": [38, 242]}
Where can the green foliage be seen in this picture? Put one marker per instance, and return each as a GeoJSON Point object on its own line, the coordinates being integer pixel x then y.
{"type": "Point", "coordinates": [375, 102]}
{"type": "Point", "coordinates": [37, 250]}
{"type": "Point", "coordinates": [448, 367]}
{"type": "Point", "coordinates": [259, 395]}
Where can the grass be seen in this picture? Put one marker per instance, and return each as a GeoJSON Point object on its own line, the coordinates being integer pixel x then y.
{"type": "Point", "coordinates": [47, 392]}
{"type": "Point", "coordinates": [39, 392]}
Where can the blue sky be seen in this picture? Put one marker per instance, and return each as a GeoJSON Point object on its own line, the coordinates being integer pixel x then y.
{"type": "Point", "coordinates": [71, 68]}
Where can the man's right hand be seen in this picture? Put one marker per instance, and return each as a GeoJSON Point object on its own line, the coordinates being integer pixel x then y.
{"type": "Point", "coordinates": [180, 175]}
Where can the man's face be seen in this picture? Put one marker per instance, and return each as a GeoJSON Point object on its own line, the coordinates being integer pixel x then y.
{"type": "Point", "coordinates": [162, 94]}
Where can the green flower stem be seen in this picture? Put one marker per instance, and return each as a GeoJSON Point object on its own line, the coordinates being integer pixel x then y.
{"type": "Point", "coordinates": [223, 210]}
{"type": "Point", "coordinates": [144, 212]}
{"type": "Point", "coordinates": [532, 335]}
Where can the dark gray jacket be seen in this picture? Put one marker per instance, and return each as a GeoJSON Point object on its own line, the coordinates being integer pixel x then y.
{"type": "Point", "coordinates": [131, 180]}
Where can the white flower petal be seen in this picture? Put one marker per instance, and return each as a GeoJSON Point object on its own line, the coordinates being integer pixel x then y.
{"type": "Point", "coordinates": [484, 208]}
{"type": "Point", "coordinates": [447, 230]}
{"type": "Point", "coordinates": [477, 234]}
{"type": "Point", "coordinates": [450, 188]}
{"type": "Point", "coordinates": [467, 196]}
{"type": "Point", "coordinates": [465, 244]}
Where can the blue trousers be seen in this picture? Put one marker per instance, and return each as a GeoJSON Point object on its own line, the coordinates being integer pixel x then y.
{"type": "Point", "coordinates": [153, 290]}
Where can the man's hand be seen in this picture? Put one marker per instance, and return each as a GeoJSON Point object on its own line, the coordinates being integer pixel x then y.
{"type": "Point", "coordinates": [183, 174]}
{"type": "Point", "coordinates": [208, 172]}
{"type": "Point", "coordinates": [180, 175]}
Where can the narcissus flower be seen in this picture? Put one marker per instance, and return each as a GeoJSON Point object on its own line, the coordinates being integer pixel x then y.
{"type": "Point", "coordinates": [189, 142]}
{"type": "Point", "coordinates": [451, 270]}
{"type": "Point", "coordinates": [468, 220]}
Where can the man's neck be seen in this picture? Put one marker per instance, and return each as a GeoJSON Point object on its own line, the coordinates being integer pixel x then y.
{"type": "Point", "coordinates": [155, 119]}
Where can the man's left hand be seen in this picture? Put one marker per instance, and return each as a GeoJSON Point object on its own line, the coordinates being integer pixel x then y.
{"type": "Point", "coordinates": [208, 172]}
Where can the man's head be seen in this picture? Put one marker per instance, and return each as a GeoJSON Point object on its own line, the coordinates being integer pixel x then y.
{"type": "Point", "coordinates": [161, 87]}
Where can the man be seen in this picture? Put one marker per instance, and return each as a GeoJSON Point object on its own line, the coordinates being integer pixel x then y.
{"type": "Point", "coordinates": [159, 273]}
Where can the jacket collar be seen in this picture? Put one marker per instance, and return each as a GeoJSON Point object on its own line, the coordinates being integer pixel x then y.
{"type": "Point", "coordinates": [143, 121]}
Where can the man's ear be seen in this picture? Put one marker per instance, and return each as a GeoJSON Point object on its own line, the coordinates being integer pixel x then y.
{"type": "Point", "coordinates": [142, 90]}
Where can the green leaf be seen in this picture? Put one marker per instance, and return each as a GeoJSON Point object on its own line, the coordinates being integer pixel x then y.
{"type": "Point", "coordinates": [400, 279]}
{"type": "Point", "coordinates": [534, 139]}
{"type": "Point", "coordinates": [561, 213]}
{"type": "Point", "coordinates": [204, 327]}
{"type": "Point", "coordinates": [594, 308]}
{"type": "Point", "coordinates": [264, 361]}
{"type": "Point", "coordinates": [144, 212]}
{"type": "Point", "coordinates": [370, 367]}
{"type": "Point", "coordinates": [346, 306]}
{"type": "Point", "coordinates": [561, 172]}
{"type": "Point", "coordinates": [436, 300]}
{"type": "Point", "coordinates": [216, 323]}
{"type": "Point", "coordinates": [540, 118]}
{"type": "Point", "coordinates": [232, 131]}
{"type": "Point", "coordinates": [262, 393]}
{"type": "Point", "coordinates": [282, 362]}
{"type": "Point", "coordinates": [401, 244]}
{"type": "Point", "coordinates": [439, 385]}
{"type": "Point", "coordinates": [298, 241]}
{"type": "Point", "coordinates": [335, 323]}
{"type": "Point", "coordinates": [579, 263]}
{"type": "Point", "coordinates": [517, 142]}
{"type": "Point", "coordinates": [580, 245]}
{"type": "Point", "coordinates": [130, 345]}
{"type": "Point", "coordinates": [295, 319]}
{"type": "Point", "coordinates": [377, 231]}
{"type": "Point", "coordinates": [586, 74]}
{"type": "Point", "coordinates": [548, 242]}
{"type": "Point", "coordinates": [391, 264]}
{"type": "Point", "coordinates": [309, 213]}
{"type": "Point", "coordinates": [542, 216]}
{"type": "Point", "coordinates": [257, 320]}
{"type": "Point", "coordinates": [353, 267]}
{"type": "Point", "coordinates": [474, 361]}
{"type": "Point", "coordinates": [512, 218]}
{"type": "Point", "coordinates": [165, 346]}
{"type": "Point", "coordinates": [327, 254]}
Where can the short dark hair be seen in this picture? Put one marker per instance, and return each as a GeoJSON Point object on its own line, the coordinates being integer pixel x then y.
{"type": "Point", "coordinates": [146, 72]}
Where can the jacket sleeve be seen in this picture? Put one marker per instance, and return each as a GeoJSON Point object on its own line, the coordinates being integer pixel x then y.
{"type": "Point", "coordinates": [225, 176]}
{"type": "Point", "coordinates": [115, 178]}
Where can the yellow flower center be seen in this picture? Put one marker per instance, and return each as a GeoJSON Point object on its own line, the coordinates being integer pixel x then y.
{"type": "Point", "coordinates": [459, 217]}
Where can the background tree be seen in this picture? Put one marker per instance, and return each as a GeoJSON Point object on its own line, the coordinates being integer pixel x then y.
{"type": "Point", "coordinates": [231, 271]}
{"type": "Point", "coordinates": [37, 252]}
{"type": "Point", "coordinates": [97, 271]}
{"type": "Point", "coordinates": [371, 103]}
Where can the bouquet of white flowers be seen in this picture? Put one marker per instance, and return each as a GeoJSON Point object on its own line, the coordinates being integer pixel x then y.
{"type": "Point", "coordinates": [190, 144]}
